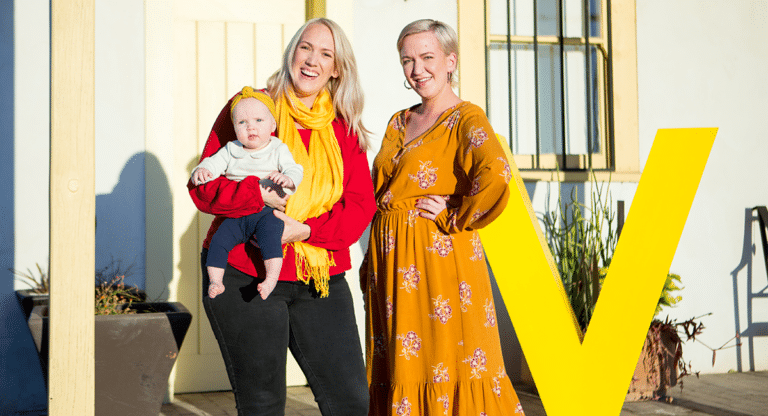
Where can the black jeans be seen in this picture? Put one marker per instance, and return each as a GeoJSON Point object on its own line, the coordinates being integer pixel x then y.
{"type": "Point", "coordinates": [254, 336]}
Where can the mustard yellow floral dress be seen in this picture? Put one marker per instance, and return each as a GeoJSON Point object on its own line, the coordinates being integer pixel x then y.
{"type": "Point", "coordinates": [432, 342]}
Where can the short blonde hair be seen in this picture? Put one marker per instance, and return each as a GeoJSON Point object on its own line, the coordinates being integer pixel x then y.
{"type": "Point", "coordinates": [445, 35]}
{"type": "Point", "coordinates": [346, 92]}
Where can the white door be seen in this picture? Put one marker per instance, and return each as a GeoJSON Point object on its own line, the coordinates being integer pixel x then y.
{"type": "Point", "coordinates": [199, 53]}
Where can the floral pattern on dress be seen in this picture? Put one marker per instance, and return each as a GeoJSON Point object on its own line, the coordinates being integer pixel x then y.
{"type": "Point", "coordinates": [497, 381]}
{"type": "Point", "coordinates": [412, 215]}
{"type": "Point", "coordinates": [443, 311]}
{"type": "Point", "coordinates": [379, 345]}
{"type": "Point", "coordinates": [442, 244]}
{"type": "Point", "coordinates": [440, 374]}
{"type": "Point", "coordinates": [446, 401]}
{"type": "Point", "coordinates": [426, 176]}
{"type": "Point", "coordinates": [411, 278]}
{"type": "Point", "coordinates": [397, 122]}
{"type": "Point", "coordinates": [506, 173]}
{"type": "Point", "coordinates": [403, 408]}
{"type": "Point", "coordinates": [490, 314]}
{"type": "Point", "coordinates": [372, 278]}
{"type": "Point", "coordinates": [475, 186]}
{"type": "Point", "coordinates": [451, 120]}
{"type": "Point", "coordinates": [388, 241]}
{"type": "Point", "coordinates": [390, 308]}
{"type": "Point", "coordinates": [411, 344]}
{"type": "Point", "coordinates": [477, 247]}
{"type": "Point", "coordinates": [477, 215]}
{"type": "Point", "coordinates": [477, 136]}
{"type": "Point", "coordinates": [519, 408]}
{"type": "Point", "coordinates": [386, 199]}
{"type": "Point", "coordinates": [465, 294]}
{"type": "Point", "coordinates": [477, 362]}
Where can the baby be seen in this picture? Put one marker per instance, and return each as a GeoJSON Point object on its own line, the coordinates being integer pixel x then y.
{"type": "Point", "coordinates": [255, 153]}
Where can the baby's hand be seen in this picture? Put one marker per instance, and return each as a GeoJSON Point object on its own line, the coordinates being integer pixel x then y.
{"type": "Point", "coordinates": [201, 176]}
{"type": "Point", "coordinates": [281, 179]}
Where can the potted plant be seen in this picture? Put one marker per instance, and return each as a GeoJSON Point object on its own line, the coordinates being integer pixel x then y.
{"type": "Point", "coordinates": [136, 344]}
{"type": "Point", "coordinates": [582, 240]}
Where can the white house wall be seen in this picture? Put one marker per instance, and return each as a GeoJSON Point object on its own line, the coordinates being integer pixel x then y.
{"type": "Point", "coordinates": [703, 64]}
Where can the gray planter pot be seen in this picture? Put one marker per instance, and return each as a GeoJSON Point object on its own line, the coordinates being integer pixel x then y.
{"type": "Point", "coordinates": [134, 355]}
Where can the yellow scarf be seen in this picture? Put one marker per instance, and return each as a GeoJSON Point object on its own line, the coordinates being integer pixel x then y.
{"type": "Point", "coordinates": [323, 181]}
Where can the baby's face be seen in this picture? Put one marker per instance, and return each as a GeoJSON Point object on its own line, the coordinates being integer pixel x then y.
{"type": "Point", "coordinates": [254, 124]}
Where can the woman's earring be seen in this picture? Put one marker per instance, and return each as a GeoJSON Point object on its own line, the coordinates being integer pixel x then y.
{"type": "Point", "coordinates": [407, 85]}
{"type": "Point", "coordinates": [450, 77]}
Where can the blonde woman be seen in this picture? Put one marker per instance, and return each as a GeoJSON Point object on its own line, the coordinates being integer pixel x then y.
{"type": "Point", "coordinates": [318, 104]}
{"type": "Point", "coordinates": [432, 342]}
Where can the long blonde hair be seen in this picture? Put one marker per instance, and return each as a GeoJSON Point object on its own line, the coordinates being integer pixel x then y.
{"type": "Point", "coordinates": [345, 89]}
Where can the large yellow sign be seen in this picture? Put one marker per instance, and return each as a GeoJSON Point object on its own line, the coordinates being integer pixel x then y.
{"type": "Point", "coordinates": [592, 377]}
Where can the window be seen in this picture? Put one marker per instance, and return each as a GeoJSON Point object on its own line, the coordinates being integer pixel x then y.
{"type": "Point", "coordinates": [561, 83]}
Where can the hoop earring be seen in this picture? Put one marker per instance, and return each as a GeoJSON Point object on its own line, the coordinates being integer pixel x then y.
{"type": "Point", "coordinates": [407, 85]}
{"type": "Point", "coordinates": [450, 77]}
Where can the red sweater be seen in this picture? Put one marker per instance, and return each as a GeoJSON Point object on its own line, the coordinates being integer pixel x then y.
{"type": "Point", "coordinates": [335, 230]}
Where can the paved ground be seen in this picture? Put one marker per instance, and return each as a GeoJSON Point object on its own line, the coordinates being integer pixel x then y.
{"type": "Point", "coordinates": [735, 394]}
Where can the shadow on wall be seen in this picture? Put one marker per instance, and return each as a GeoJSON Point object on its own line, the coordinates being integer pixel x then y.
{"type": "Point", "coordinates": [22, 390]}
{"type": "Point", "coordinates": [120, 223]}
{"type": "Point", "coordinates": [753, 329]}
{"type": "Point", "coordinates": [135, 226]}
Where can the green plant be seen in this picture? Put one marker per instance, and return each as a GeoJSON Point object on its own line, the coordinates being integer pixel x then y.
{"type": "Point", "coordinates": [113, 298]}
{"type": "Point", "coordinates": [582, 240]}
{"type": "Point", "coordinates": [39, 283]}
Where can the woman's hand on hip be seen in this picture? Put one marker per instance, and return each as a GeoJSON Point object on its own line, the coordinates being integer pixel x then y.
{"type": "Point", "coordinates": [293, 230]}
{"type": "Point", "coordinates": [431, 206]}
{"type": "Point", "coordinates": [271, 199]}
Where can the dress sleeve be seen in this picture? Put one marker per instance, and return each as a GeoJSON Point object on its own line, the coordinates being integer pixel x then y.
{"type": "Point", "coordinates": [340, 227]}
{"type": "Point", "coordinates": [482, 159]}
{"type": "Point", "coordinates": [222, 196]}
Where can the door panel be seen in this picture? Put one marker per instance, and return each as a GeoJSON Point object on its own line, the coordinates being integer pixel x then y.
{"type": "Point", "coordinates": [200, 53]}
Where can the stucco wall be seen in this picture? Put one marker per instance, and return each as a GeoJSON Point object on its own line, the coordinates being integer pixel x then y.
{"type": "Point", "coordinates": [703, 64]}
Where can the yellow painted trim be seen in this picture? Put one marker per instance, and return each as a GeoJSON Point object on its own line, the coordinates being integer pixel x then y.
{"type": "Point", "coordinates": [472, 41]}
{"type": "Point", "coordinates": [315, 8]}
{"type": "Point", "coordinates": [71, 380]}
{"type": "Point", "coordinates": [625, 95]}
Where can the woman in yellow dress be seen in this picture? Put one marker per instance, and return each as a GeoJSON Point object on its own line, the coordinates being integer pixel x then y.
{"type": "Point", "coordinates": [432, 342]}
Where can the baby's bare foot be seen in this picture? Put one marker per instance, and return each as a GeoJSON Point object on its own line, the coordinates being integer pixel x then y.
{"type": "Point", "coordinates": [215, 289]}
{"type": "Point", "coordinates": [266, 287]}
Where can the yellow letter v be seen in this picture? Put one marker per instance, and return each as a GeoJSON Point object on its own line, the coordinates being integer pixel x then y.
{"type": "Point", "coordinates": [591, 378]}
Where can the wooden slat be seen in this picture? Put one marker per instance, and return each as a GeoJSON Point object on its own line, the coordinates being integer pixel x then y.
{"type": "Point", "coordinates": [72, 202]}
{"type": "Point", "coordinates": [472, 36]}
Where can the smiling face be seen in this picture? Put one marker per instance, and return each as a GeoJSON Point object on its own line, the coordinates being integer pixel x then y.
{"type": "Point", "coordinates": [253, 123]}
{"type": "Point", "coordinates": [425, 65]}
{"type": "Point", "coordinates": [313, 63]}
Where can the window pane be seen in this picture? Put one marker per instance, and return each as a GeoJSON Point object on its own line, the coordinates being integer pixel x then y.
{"type": "Point", "coordinates": [518, 104]}
{"type": "Point", "coordinates": [573, 16]}
{"type": "Point", "coordinates": [546, 11]}
{"type": "Point", "coordinates": [596, 14]}
{"type": "Point", "coordinates": [521, 17]}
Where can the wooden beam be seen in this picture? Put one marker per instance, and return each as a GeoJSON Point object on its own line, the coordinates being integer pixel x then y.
{"type": "Point", "coordinates": [315, 8]}
{"type": "Point", "coordinates": [72, 204]}
{"type": "Point", "coordinates": [472, 41]}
